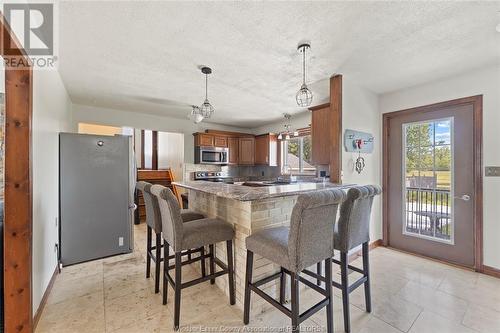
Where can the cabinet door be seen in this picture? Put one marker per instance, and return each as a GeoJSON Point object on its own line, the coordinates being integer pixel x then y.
{"type": "Point", "coordinates": [220, 141]}
{"type": "Point", "coordinates": [233, 145]}
{"type": "Point", "coordinates": [246, 151]}
{"type": "Point", "coordinates": [206, 140]}
{"type": "Point", "coordinates": [262, 150]}
{"type": "Point", "coordinates": [320, 135]}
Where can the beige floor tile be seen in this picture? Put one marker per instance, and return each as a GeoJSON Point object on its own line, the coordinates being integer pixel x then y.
{"type": "Point", "coordinates": [429, 322]}
{"type": "Point", "coordinates": [396, 311]}
{"type": "Point", "coordinates": [434, 301]}
{"type": "Point", "coordinates": [375, 325]}
{"type": "Point", "coordinates": [477, 293]}
{"type": "Point", "coordinates": [126, 267]}
{"type": "Point", "coordinates": [129, 309]}
{"type": "Point", "coordinates": [482, 319]}
{"type": "Point", "coordinates": [161, 322]}
{"type": "Point", "coordinates": [78, 314]}
{"type": "Point", "coordinates": [67, 289]}
{"type": "Point", "coordinates": [121, 285]}
{"type": "Point", "coordinates": [80, 270]}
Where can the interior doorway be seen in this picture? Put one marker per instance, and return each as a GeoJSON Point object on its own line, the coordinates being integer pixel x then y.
{"type": "Point", "coordinates": [432, 181]}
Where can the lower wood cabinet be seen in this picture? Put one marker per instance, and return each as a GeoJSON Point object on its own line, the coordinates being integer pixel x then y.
{"type": "Point", "coordinates": [246, 151]}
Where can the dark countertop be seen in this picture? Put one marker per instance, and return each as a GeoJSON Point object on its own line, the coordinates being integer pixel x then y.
{"type": "Point", "coordinates": [250, 193]}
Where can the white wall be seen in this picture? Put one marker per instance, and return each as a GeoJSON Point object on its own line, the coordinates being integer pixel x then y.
{"type": "Point", "coordinates": [484, 82]}
{"type": "Point", "coordinates": [112, 117]}
{"type": "Point", "coordinates": [360, 112]}
{"type": "Point", "coordinates": [51, 114]}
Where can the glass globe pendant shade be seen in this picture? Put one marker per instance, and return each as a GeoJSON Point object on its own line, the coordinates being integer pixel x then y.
{"type": "Point", "coordinates": [196, 116]}
{"type": "Point", "coordinates": [206, 109]}
{"type": "Point", "coordinates": [304, 96]}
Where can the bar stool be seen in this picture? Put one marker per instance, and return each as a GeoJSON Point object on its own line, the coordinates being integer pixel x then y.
{"type": "Point", "coordinates": [153, 221]}
{"type": "Point", "coordinates": [351, 231]}
{"type": "Point", "coordinates": [307, 241]}
{"type": "Point", "coordinates": [184, 236]}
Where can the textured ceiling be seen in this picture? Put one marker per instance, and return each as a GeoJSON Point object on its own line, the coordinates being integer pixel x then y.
{"type": "Point", "coordinates": [144, 56]}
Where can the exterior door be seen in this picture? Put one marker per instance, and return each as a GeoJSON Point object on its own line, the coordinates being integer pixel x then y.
{"type": "Point", "coordinates": [431, 182]}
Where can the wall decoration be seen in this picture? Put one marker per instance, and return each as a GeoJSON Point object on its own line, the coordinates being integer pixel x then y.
{"type": "Point", "coordinates": [359, 142]}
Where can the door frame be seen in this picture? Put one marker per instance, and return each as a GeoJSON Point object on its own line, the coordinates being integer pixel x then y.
{"type": "Point", "coordinates": [477, 104]}
{"type": "Point", "coordinates": [18, 219]}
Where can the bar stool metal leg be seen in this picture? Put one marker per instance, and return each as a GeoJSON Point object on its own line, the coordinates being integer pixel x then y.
{"type": "Point", "coordinates": [166, 263]}
{"type": "Point", "coordinates": [366, 270]}
{"type": "Point", "coordinates": [157, 262]}
{"type": "Point", "coordinates": [282, 286]}
{"type": "Point", "coordinates": [202, 262]}
{"type": "Point", "coordinates": [230, 266]}
{"type": "Point", "coordinates": [329, 293]}
{"type": "Point", "coordinates": [212, 261]}
{"type": "Point", "coordinates": [248, 280]}
{"type": "Point", "coordinates": [318, 271]}
{"type": "Point", "coordinates": [345, 290]}
{"type": "Point", "coordinates": [148, 248]}
{"type": "Point", "coordinates": [295, 302]}
{"type": "Point", "coordinates": [178, 285]}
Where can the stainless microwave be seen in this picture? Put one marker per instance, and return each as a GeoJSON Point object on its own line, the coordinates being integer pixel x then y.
{"type": "Point", "coordinates": [211, 155]}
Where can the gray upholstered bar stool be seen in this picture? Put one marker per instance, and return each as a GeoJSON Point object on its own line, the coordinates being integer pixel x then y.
{"type": "Point", "coordinates": [351, 231]}
{"type": "Point", "coordinates": [307, 241]}
{"type": "Point", "coordinates": [153, 221]}
{"type": "Point", "coordinates": [184, 236]}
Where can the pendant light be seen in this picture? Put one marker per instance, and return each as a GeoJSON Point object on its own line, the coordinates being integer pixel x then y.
{"type": "Point", "coordinates": [304, 96]}
{"type": "Point", "coordinates": [206, 108]}
{"type": "Point", "coordinates": [195, 114]}
{"type": "Point", "coordinates": [287, 133]}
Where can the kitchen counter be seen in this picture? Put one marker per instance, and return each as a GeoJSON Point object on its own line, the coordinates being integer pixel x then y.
{"type": "Point", "coordinates": [241, 192]}
{"type": "Point", "coordinates": [248, 209]}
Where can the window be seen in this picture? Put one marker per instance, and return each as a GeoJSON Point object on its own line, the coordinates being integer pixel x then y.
{"type": "Point", "coordinates": [296, 156]}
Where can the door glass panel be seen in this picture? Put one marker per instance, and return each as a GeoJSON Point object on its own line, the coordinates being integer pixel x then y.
{"type": "Point", "coordinates": [428, 180]}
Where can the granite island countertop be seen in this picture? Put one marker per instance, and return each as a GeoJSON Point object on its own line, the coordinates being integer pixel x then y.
{"type": "Point", "coordinates": [250, 193]}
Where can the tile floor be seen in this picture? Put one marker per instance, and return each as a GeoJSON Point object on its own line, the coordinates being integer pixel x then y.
{"type": "Point", "coordinates": [409, 294]}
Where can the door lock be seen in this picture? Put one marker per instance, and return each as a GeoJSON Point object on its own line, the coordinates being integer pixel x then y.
{"type": "Point", "coordinates": [464, 197]}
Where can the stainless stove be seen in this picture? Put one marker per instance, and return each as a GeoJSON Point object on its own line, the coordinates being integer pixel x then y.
{"type": "Point", "coordinates": [214, 176]}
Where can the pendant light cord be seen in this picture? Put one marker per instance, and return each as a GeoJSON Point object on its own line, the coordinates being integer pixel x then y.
{"type": "Point", "coordinates": [206, 86]}
{"type": "Point", "coordinates": [304, 65]}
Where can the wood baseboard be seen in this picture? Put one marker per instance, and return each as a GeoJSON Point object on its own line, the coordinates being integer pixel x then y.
{"type": "Point", "coordinates": [46, 294]}
{"type": "Point", "coordinates": [492, 271]}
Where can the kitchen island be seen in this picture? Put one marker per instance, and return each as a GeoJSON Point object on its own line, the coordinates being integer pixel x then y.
{"type": "Point", "coordinates": [248, 209]}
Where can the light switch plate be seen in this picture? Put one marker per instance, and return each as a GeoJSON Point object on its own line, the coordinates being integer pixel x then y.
{"type": "Point", "coordinates": [120, 241]}
{"type": "Point", "coordinates": [492, 171]}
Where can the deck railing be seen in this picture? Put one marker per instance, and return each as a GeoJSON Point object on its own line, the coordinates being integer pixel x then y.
{"type": "Point", "coordinates": [428, 212]}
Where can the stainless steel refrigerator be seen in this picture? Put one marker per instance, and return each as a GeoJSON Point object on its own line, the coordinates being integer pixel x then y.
{"type": "Point", "coordinates": [97, 183]}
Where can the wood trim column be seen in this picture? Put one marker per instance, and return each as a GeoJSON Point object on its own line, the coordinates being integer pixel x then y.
{"type": "Point", "coordinates": [18, 186]}
{"type": "Point", "coordinates": [336, 129]}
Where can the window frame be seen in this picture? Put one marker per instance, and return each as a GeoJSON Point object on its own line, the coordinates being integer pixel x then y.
{"type": "Point", "coordinates": [284, 155]}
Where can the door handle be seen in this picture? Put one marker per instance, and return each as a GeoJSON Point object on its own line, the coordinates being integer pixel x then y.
{"type": "Point", "coordinates": [464, 197]}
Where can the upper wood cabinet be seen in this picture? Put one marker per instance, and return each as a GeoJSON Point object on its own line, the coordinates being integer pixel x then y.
{"type": "Point", "coordinates": [320, 134]}
{"type": "Point", "coordinates": [202, 139]}
{"type": "Point", "coordinates": [234, 147]}
{"type": "Point", "coordinates": [266, 150]}
{"type": "Point", "coordinates": [220, 141]}
{"type": "Point", "coordinates": [246, 151]}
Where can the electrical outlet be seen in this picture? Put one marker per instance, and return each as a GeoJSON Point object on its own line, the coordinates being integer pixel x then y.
{"type": "Point", "coordinates": [120, 241]}
{"type": "Point", "coordinates": [492, 171]}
